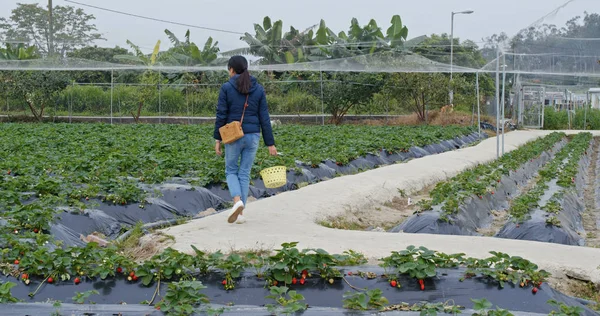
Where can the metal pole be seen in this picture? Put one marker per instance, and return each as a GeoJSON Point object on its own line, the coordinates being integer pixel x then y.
{"type": "Point", "coordinates": [112, 91]}
{"type": "Point", "coordinates": [497, 101]}
{"type": "Point", "coordinates": [50, 29]}
{"type": "Point", "coordinates": [322, 102]}
{"type": "Point", "coordinates": [71, 103]}
{"type": "Point", "coordinates": [451, 93]}
{"type": "Point", "coordinates": [585, 106]}
{"type": "Point", "coordinates": [159, 100]}
{"type": "Point", "coordinates": [478, 105]}
{"type": "Point", "coordinates": [503, 98]}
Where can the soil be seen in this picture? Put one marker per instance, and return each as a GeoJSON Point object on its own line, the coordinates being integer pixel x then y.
{"type": "Point", "coordinates": [381, 217]}
{"type": "Point", "coordinates": [500, 218]}
{"type": "Point", "coordinates": [591, 217]}
{"type": "Point", "coordinates": [576, 285]}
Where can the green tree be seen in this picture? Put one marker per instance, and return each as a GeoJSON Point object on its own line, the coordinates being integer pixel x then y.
{"type": "Point", "coordinates": [150, 79]}
{"type": "Point", "coordinates": [29, 23]}
{"type": "Point", "coordinates": [37, 88]}
{"type": "Point", "coordinates": [419, 92]}
{"type": "Point", "coordinates": [343, 91]}
{"type": "Point", "coordinates": [99, 54]}
{"type": "Point", "coordinates": [437, 48]}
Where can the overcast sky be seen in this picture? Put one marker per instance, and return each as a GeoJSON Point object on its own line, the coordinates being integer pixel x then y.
{"type": "Point", "coordinates": [420, 16]}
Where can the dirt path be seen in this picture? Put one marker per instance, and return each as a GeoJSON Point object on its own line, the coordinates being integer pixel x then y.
{"type": "Point", "coordinates": [294, 216]}
{"type": "Point", "coordinates": [591, 217]}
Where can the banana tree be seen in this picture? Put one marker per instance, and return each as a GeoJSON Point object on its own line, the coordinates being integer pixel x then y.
{"type": "Point", "coordinates": [150, 78]}
{"type": "Point", "coordinates": [19, 52]}
{"type": "Point", "coordinates": [188, 53]}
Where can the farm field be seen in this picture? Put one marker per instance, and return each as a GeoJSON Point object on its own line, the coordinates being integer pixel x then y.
{"type": "Point", "coordinates": [63, 184]}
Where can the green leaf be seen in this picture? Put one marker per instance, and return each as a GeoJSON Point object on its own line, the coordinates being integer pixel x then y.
{"type": "Point", "coordinates": [482, 304]}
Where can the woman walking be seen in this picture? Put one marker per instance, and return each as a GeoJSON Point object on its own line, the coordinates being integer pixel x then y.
{"type": "Point", "coordinates": [239, 155]}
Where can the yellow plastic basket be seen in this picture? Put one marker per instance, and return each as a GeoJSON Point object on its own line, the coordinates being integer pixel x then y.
{"type": "Point", "coordinates": [274, 177]}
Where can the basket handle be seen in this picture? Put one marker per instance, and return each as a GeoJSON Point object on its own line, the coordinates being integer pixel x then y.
{"type": "Point", "coordinates": [279, 155]}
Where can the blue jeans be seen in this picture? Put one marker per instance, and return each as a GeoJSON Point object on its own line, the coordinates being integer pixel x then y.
{"type": "Point", "coordinates": [239, 158]}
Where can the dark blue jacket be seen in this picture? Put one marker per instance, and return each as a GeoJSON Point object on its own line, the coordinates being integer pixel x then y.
{"type": "Point", "coordinates": [231, 104]}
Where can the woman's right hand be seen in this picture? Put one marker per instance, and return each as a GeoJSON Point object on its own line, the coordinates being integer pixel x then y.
{"type": "Point", "coordinates": [218, 148]}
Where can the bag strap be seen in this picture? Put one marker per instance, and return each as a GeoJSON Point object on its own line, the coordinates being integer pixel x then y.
{"type": "Point", "coordinates": [245, 106]}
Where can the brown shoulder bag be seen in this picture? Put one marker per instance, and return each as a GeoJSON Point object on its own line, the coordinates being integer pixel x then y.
{"type": "Point", "coordinates": [233, 131]}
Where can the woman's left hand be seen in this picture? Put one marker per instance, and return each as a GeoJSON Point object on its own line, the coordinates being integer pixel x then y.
{"type": "Point", "coordinates": [272, 151]}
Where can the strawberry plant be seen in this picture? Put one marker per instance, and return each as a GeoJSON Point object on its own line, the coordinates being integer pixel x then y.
{"type": "Point", "coordinates": [419, 263]}
{"type": "Point", "coordinates": [232, 266]}
{"type": "Point", "coordinates": [5, 293]}
{"type": "Point", "coordinates": [483, 178]}
{"type": "Point", "coordinates": [182, 298]}
{"type": "Point", "coordinates": [288, 262]}
{"type": "Point", "coordinates": [425, 308]}
{"type": "Point", "coordinates": [564, 310]}
{"type": "Point", "coordinates": [285, 305]}
{"type": "Point", "coordinates": [553, 221]}
{"type": "Point", "coordinates": [555, 169]}
{"type": "Point", "coordinates": [483, 306]}
{"type": "Point", "coordinates": [350, 258]}
{"type": "Point", "coordinates": [321, 261]}
{"type": "Point", "coordinates": [504, 268]}
{"type": "Point", "coordinates": [365, 300]}
{"type": "Point", "coordinates": [81, 297]}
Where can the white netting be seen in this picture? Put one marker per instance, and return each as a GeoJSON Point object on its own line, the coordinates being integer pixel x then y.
{"type": "Point", "coordinates": [378, 62]}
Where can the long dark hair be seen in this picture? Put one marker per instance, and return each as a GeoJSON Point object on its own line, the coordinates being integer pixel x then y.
{"type": "Point", "coordinates": [239, 64]}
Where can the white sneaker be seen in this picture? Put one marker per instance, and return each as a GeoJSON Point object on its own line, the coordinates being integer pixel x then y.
{"type": "Point", "coordinates": [235, 212]}
{"type": "Point", "coordinates": [241, 219]}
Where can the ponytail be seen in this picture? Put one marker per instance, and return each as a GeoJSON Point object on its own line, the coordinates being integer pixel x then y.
{"type": "Point", "coordinates": [243, 82]}
{"type": "Point", "coordinates": [239, 64]}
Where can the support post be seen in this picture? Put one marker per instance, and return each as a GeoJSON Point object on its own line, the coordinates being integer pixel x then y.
{"type": "Point", "coordinates": [478, 104]}
{"type": "Point", "coordinates": [322, 102]}
{"type": "Point", "coordinates": [497, 101]}
{"type": "Point", "coordinates": [112, 91]}
{"type": "Point", "coordinates": [503, 97]}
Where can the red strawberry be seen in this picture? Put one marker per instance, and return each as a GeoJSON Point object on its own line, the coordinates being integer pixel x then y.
{"type": "Point", "coordinates": [304, 271]}
{"type": "Point", "coordinates": [350, 273]}
{"type": "Point", "coordinates": [534, 290]}
{"type": "Point", "coordinates": [422, 285]}
{"type": "Point", "coordinates": [302, 281]}
{"type": "Point", "coordinates": [275, 282]}
{"type": "Point", "coordinates": [8, 172]}
{"type": "Point", "coordinates": [77, 280]}
{"type": "Point", "coordinates": [16, 261]}
{"type": "Point", "coordinates": [224, 282]}
{"type": "Point", "coordinates": [131, 274]}
{"type": "Point", "coordinates": [119, 270]}
{"type": "Point", "coordinates": [134, 278]}
{"type": "Point", "coordinates": [294, 281]}
{"type": "Point", "coordinates": [50, 280]}
{"type": "Point", "coordinates": [492, 192]}
{"type": "Point", "coordinates": [24, 276]}
{"type": "Point", "coordinates": [394, 283]}
{"type": "Point", "coordinates": [35, 230]}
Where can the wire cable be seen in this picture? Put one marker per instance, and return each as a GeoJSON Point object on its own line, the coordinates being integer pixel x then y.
{"type": "Point", "coordinates": [155, 19]}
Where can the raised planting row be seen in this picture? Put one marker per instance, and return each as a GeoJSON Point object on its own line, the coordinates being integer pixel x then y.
{"type": "Point", "coordinates": [552, 210]}
{"type": "Point", "coordinates": [103, 178]}
{"type": "Point", "coordinates": [463, 204]}
{"type": "Point", "coordinates": [288, 280]}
